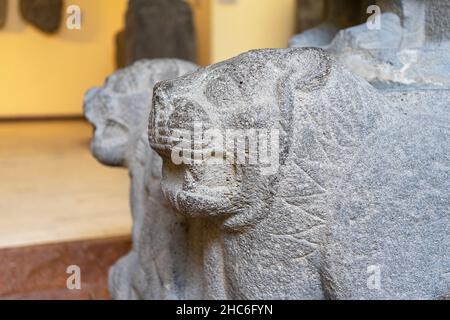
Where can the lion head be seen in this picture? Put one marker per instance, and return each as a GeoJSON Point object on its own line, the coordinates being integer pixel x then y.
{"type": "Point", "coordinates": [285, 97]}
{"type": "Point", "coordinates": [119, 110]}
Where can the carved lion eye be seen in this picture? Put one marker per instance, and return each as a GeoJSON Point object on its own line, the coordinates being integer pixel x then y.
{"type": "Point", "coordinates": [186, 114]}
{"type": "Point", "coordinates": [222, 91]}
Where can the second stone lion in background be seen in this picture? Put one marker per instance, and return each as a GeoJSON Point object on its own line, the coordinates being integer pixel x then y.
{"type": "Point", "coordinates": [119, 113]}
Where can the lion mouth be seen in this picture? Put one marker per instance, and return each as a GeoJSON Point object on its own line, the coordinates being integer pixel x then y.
{"type": "Point", "coordinates": [174, 121]}
{"type": "Point", "coordinates": [199, 203]}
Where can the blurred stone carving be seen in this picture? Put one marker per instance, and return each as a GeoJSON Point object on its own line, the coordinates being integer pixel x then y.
{"type": "Point", "coordinates": [358, 207]}
{"type": "Point", "coordinates": [45, 15]}
{"type": "Point", "coordinates": [3, 12]}
{"type": "Point", "coordinates": [310, 13]}
{"type": "Point", "coordinates": [411, 47]}
{"type": "Point", "coordinates": [320, 20]}
{"type": "Point", "coordinates": [120, 49]}
{"type": "Point", "coordinates": [155, 268]}
{"type": "Point", "coordinates": [159, 29]}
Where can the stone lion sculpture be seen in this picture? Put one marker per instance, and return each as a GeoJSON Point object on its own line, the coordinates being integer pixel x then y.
{"type": "Point", "coordinates": [119, 113]}
{"type": "Point", "coordinates": [358, 207]}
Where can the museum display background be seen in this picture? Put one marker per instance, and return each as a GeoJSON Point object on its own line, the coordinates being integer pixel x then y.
{"type": "Point", "coordinates": [56, 69]}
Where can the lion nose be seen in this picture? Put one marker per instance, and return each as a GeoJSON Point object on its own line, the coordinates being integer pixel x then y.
{"type": "Point", "coordinates": [88, 104]}
{"type": "Point", "coordinates": [91, 94]}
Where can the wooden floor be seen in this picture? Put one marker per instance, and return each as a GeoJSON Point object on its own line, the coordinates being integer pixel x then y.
{"type": "Point", "coordinates": [52, 189]}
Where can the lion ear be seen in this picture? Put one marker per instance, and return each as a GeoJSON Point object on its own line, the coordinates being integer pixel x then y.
{"type": "Point", "coordinates": [308, 68]}
{"type": "Point", "coordinates": [305, 70]}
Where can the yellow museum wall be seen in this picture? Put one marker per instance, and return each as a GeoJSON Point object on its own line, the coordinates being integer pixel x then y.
{"type": "Point", "coordinates": [202, 19]}
{"type": "Point", "coordinates": [242, 25]}
{"type": "Point", "coordinates": [46, 75]}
